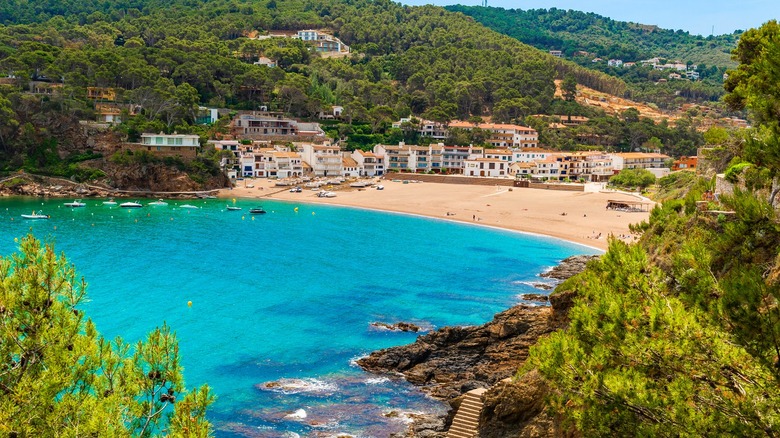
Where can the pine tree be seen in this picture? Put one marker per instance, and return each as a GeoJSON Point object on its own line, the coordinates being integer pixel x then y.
{"type": "Point", "coordinates": [59, 377]}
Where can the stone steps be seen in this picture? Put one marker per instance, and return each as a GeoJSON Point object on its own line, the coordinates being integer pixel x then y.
{"type": "Point", "coordinates": [466, 420]}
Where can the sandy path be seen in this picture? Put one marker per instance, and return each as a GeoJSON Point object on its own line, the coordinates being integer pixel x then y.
{"type": "Point", "coordinates": [586, 219]}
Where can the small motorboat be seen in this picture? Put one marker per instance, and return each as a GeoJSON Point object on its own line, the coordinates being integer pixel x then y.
{"type": "Point", "coordinates": [380, 187]}
{"type": "Point", "coordinates": [187, 206]}
{"type": "Point", "coordinates": [131, 205]}
{"type": "Point", "coordinates": [109, 202]}
{"type": "Point", "coordinates": [75, 204]}
{"type": "Point", "coordinates": [158, 202]}
{"type": "Point", "coordinates": [35, 215]}
{"type": "Point", "coordinates": [257, 210]}
{"type": "Point", "coordinates": [231, 208]}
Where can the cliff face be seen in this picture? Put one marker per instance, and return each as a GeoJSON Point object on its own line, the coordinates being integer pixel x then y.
{"type": "Point", "coordinates": [453, 360]}
{"type": "Point", "coordinates": [158, 178]}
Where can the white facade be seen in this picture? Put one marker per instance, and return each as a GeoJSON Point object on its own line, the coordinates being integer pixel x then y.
{"type": "Point", "coordinates": [638, 160]}
{"type": "Point", "coordinates": [170, 140]}
{"type": "Point", "coordinates": [325, 160]}
{"type": "Point", "coordinates": [487, 167]}
{"type": "Point", "coordinates": [369, 164]}
{"type": "Point", "coordinates": [503, 135]}
{"type": "Point", "coordinates": [411, 158]}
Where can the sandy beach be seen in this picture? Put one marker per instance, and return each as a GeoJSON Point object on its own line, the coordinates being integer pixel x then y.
{"type": "Point", "coordinates": [579, 217]}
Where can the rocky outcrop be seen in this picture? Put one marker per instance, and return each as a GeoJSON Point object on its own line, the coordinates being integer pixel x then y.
{"type": "Point", "coordinates": [398, 326]}
{"type": "Point", "coordinates": [453, 360]}
{"type": "Point", "coordinates": [569, 267]}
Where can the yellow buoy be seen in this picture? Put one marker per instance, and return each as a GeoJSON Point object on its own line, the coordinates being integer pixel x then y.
{"type": "Point", "coordinates": [189, 303]}
{"type": "Point", "coordinates": [312, 213]}
{"type": "Point", "coordinates": [296, 209]}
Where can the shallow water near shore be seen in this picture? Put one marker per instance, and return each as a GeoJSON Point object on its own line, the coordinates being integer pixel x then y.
{"type": "Point", "coordinates": [286, 297]}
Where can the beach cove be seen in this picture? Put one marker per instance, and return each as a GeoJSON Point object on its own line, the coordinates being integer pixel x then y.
{"type": "Point", "coordinates": [580, 217]}
{"type": "Point", "coordinates": [283, 302]}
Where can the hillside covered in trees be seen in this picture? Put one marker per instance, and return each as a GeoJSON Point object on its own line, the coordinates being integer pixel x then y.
{"type": "Point", "coordinates": [572, 31]}
{"type": "Point", "coordinates": [583, 37]}
{"type": "Point", "coordinates": [170, 58]}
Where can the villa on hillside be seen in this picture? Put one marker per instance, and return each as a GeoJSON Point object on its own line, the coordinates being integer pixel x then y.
{"type": "Point", "coordinates": [273, 126]}
{"type": "Point", "coordinates": [101, 93]}
{"type": "Point", "coordinates": [503, 135]}
{"type": "Point", "coordinates": [184, 146]}
{"type": "Point", "coordinates": [426, 128]}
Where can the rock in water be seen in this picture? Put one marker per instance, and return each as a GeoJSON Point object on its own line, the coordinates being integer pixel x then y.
{"type": "Point", "coordinates": [398, 326]}
{"type": "Point", "coordinates": [569, 267]}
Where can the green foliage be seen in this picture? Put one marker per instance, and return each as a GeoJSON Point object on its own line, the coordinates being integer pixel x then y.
{"type": "Point", "coordinates": [633, 178]}
{"type": "Point", "coordinates": [60, 377]}
{"type": "Point", "coordinates": [735, 170]}
{"type": "Point", "coordinates": [639, 360]}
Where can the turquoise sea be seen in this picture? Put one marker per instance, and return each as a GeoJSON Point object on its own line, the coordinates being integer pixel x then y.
{"type": "Point", "coordinates": [287, 296]}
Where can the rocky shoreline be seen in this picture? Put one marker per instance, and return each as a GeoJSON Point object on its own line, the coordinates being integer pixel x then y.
{"type": "Point", "coordinates": [451, 361]}
{"type": "Point", "coordinates": [133, 182]}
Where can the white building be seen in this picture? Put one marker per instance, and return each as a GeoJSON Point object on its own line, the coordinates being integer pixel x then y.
{"type": "Point", "coordinates": [615, 63]}
{"type": "Point", "coordinates": [426, 128]}
{"type": "Point", "coordinates": [527, 155]}
{"type": "Point", "coordinates": [503, 135]}
{"type": "Point", "coordinates": [169, 145]}
{"type": "Point", "coordinates": [325, 160]}
{"type": "Point", "coordinates": [349, 166]}
{"type": "Point", "coordinates": [412, 158]}
{"type": "Point", "coordinates": [287, 165]}
{"type": "Point", "coordinates": [370, 164]}
{"type": "Point", "coordinates": [487, 167]}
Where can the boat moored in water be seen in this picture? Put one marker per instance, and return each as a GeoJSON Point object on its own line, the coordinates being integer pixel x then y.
{"type": "Point", "coordinates": [257, 210]}
{"type": "Point", "coordinates": [131, 205]}
{"type": "Point", "coordinates": [231, 208]}
{"type": "Point", "coordinates": [35, 215]}
{"type": "Point", "coordinates": [109, 202]}
{"type": "Point", "coordinates": [158, 202]}
{"type": "Point", "coordinates": [75, 204]}
{"type": "Point", "coordinates": [187, 206]}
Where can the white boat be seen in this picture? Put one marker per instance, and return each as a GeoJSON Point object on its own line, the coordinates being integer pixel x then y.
{"type": "Point", "coordinates": [75, 204]}
{"type": "Point", "coordinates": [109, 202]}
{"type": "Point", "coordinates": [158, 202]}
{"type": "Point", "coordinates": [36, 215]}
{"type": "Point", "coordinates": [131, 205]}
{"type": "Point", "coordinates": [380, 187]}
{"type": "Point", "coordinates": [326, 194]}
{"type": "Point", "coordinates": [231, 208]}
{"type": "Point", "coordinates": [187, 206]}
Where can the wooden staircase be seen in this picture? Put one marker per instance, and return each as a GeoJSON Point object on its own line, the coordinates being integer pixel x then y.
{"type": "Point", "coordinates": [466, 420]}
